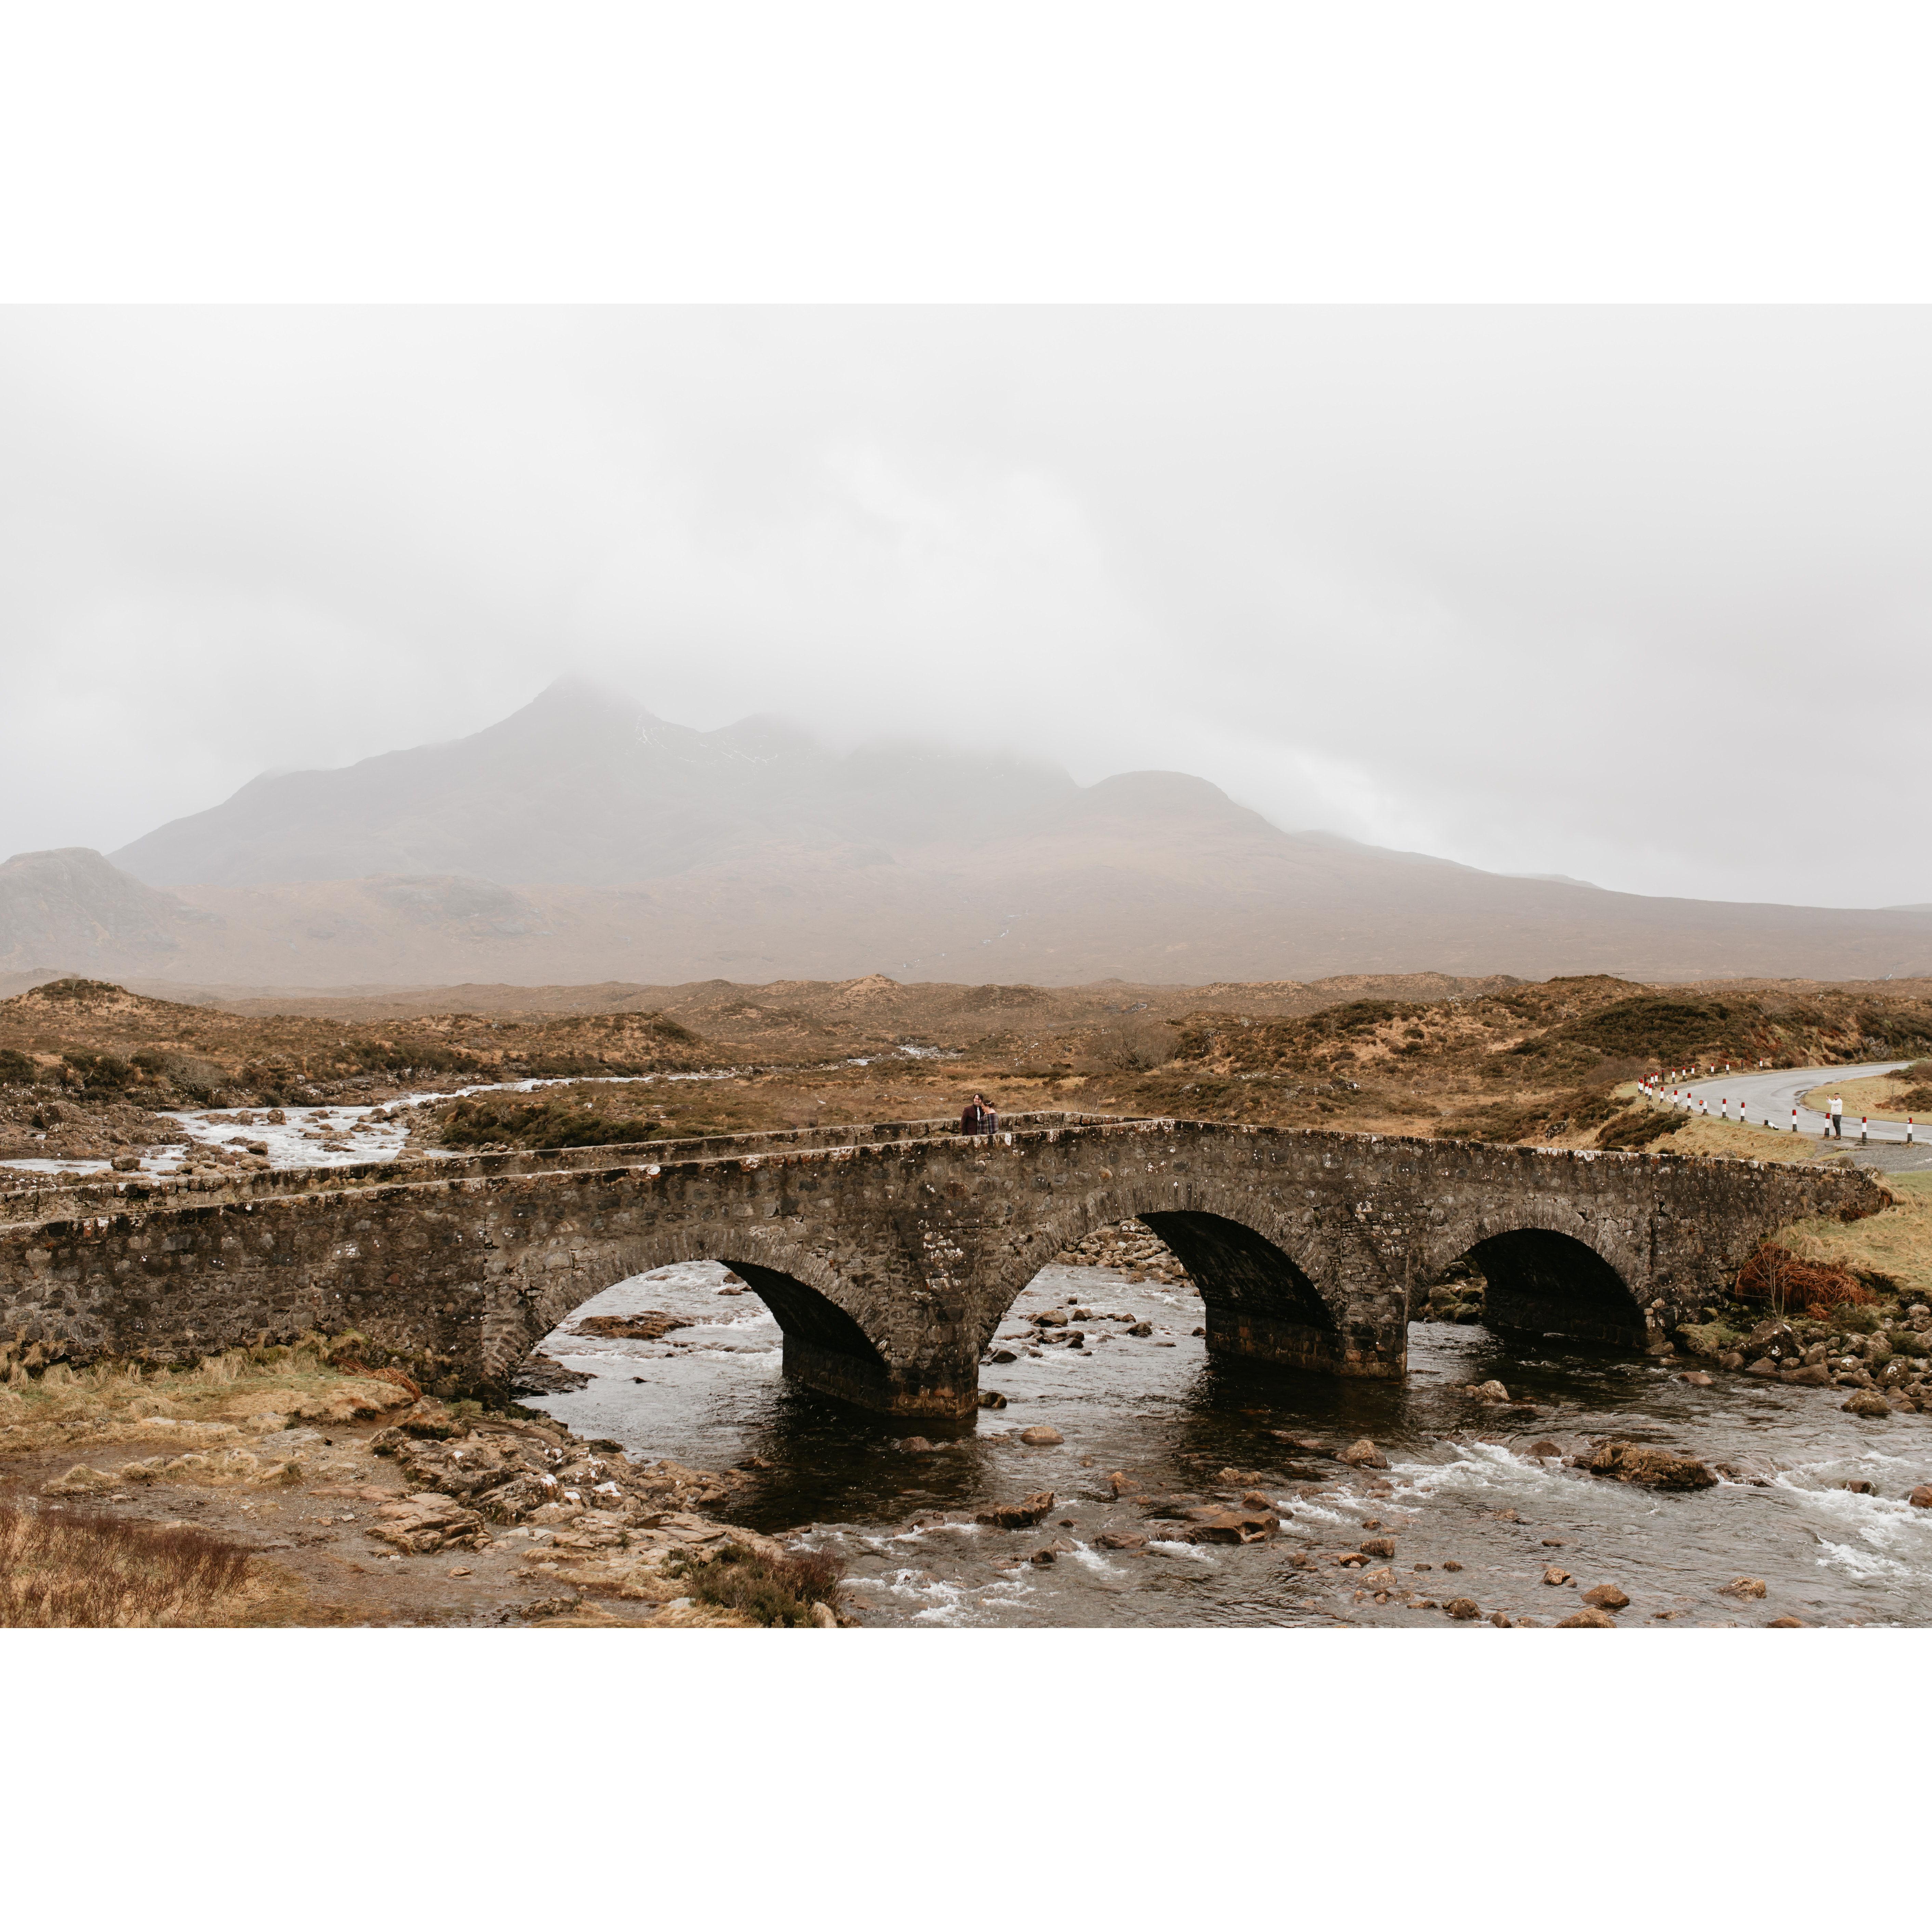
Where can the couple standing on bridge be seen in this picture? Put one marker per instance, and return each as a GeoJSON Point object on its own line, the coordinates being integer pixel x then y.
{"type": "Point", "coordinates": [978, 1117]}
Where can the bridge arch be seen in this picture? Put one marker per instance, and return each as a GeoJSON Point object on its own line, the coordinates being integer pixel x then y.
{"type": "Point", "coordinates": [1263, 1292]}
{"type": "Point", "coordinates": [1542, 1279]}
{"type": "Point", "coordinates": [827, 1344]}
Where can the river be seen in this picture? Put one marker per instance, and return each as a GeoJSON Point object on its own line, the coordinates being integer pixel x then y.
{"type": "Point", "coordinates": [1462, 1486]}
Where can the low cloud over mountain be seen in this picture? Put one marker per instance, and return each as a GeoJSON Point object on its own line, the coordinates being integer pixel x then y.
{"type": "Point", "coordinates": [584, 838]}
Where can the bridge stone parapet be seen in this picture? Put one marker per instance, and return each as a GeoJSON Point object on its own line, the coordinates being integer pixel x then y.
{"type": "Point", "coordinates": [890, 1255]}
{"type": "Point", "coordinates": [25, 1195]}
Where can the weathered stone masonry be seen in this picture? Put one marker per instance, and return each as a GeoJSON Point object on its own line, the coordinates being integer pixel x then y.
{"type": "Point", "coordinates": [888, 1255]}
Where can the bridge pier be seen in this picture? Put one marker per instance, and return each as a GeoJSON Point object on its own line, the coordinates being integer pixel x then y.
{"type": "Point", "coordinates": [932, 1392]}
{"type": "Point", "coordinates": [1257, 1336]}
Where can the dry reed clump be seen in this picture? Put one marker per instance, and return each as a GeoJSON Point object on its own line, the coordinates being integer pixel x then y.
{"type": "Point", "coordinates": [255, 1388]}
{"type": "Point", "coordinates": [69, 1569]}
{"type": "Point", "coordinates": [1788, 1283]}
{"type": "Point", "coordinates": [352, 1365]}
{"type": "Point", "coordinates": [775, 1591]}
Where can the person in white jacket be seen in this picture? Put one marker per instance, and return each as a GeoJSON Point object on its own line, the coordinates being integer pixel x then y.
{"type": "Point", "coordinates": [1838, 1112]}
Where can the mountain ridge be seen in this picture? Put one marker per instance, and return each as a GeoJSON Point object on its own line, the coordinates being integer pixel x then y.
{"type": "Point", "coordinates": [582, 838]}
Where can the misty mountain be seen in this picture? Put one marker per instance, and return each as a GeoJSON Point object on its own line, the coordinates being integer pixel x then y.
{"type": "Point", "coordinates": [581, 787]}
{"type": "Point", "coordinates": [584, 838]}
{"type": "Point", "coordinates": [72, 907]}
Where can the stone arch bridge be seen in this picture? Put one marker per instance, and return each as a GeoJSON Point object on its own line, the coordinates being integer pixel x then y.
{"type": "Point", "coordinates": [890, 1254]}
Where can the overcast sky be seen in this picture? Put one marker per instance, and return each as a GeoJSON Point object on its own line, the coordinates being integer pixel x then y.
{"type": "Point", "coordinates": [1640, 595]}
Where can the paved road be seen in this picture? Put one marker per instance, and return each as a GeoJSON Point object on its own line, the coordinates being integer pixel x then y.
{"type": "Point", "coordinates": [1768, 1098]}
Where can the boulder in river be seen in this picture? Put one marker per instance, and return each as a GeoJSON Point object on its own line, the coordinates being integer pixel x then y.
{"type": "Point", "coordinates": [992, 1398]}
{"type": "Point", "coordinates": [1606, 1597]}
{"type": "Point", "coordinates": [1742, 1587]}
{"type": "Point", "coordinates": [1042, 1435]}
{"type": "Point", "coordinates": [1379, 1545]}
{"type": "Point", "coordinates": [1592, 1619]}
{"type": "Point", "coordinates": [1362, 1455]}
{"type": "Point", "coordinates": [1488, 1392]}
{"type": "Point", "coordinates": [1464, 1609]}
{"type": "Point", "coordinates": [648, 1324]}
{"type": "Point", "coordinates": [1655, 1469]}
{"type": "Point", "coordinates": [1773, 1334]}
{"type": "Point", "coordinates": [1922, 1497]}
{"type": "Point", "coordinates": [1234, 1526]}
{"type": "Point", "coordinates": [540, 1375]}
{"type": "Point", "coordinates": [1556, 1575]}
{"type": "Point", "coordinates": [1021, 1515]}
{"type": "Point", "coordinates": [1867, 1402]}
{"type": "Point", "coordinates": [1540, 1450]}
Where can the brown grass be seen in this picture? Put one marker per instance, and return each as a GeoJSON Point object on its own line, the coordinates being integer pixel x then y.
{"type": "Point", "coordinates": [1893, 1247]}
{"type": "Point", "coordinates": [1730, 1141]}
{"type": "Point", "coordinates": [66, 1569]}
{"type": "Point", "coordinates": [1789, 1284]}
{"type": "Point", "coordinates": [225, 1398]}
{"type": "Point", "coordinates": [1886, 1096]}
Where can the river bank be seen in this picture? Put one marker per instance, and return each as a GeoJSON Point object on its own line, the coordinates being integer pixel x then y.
{"type": "Point", "coordinates": [346, 1498]}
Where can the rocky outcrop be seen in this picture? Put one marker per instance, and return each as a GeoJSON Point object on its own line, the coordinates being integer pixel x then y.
{"type": "Point", "coordinates": [422, 1525]}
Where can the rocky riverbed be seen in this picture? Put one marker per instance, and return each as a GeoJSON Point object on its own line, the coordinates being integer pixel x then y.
{"type": "Point", "coordinates": [1119, 1476]}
